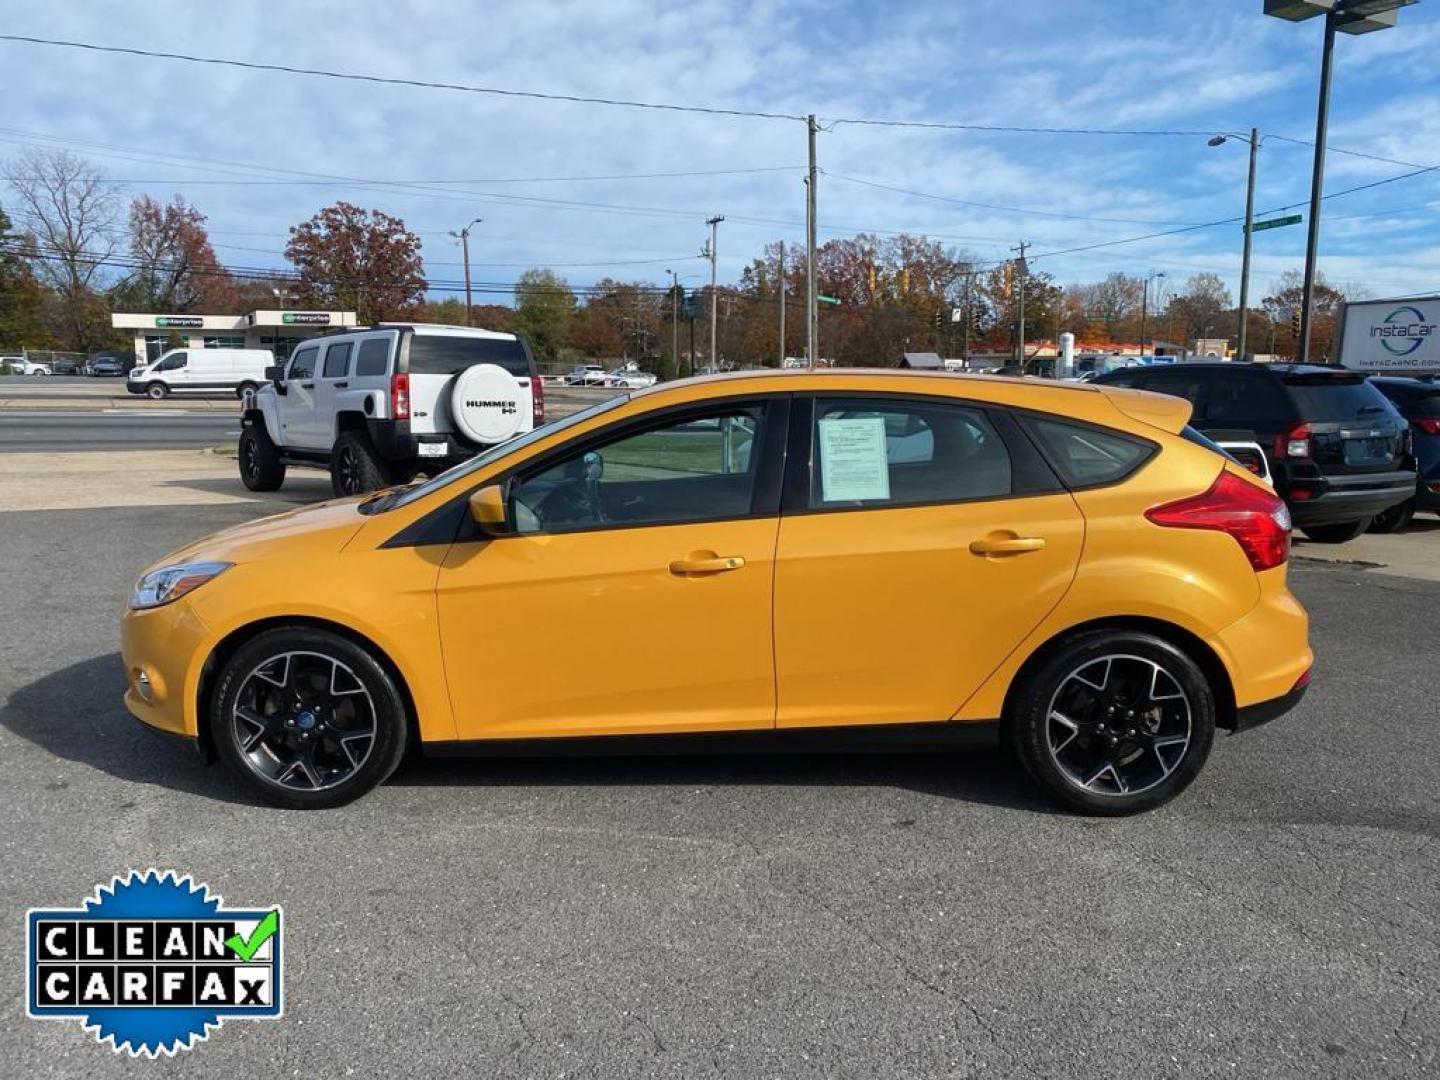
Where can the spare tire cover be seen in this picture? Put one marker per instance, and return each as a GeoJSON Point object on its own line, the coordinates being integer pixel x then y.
{"type": "Point", "coordinates": [486, 403]}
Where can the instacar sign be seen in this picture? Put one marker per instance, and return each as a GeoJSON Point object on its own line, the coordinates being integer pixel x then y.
{"type": "Point", "coordinates": [1381, 334]}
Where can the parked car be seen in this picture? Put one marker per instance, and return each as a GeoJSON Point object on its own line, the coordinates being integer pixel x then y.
{"type": "Point", "coordinates": [1338, 449]}
{"type": "Point", "coordinates": [1419, 402]}
{"type": "Point", "coordinates": [1068, 568]}
{"type": "Point", "coordinates": [586, 375]}
{"type": "Point", "coordinates": [20, 365]}
{"type": "Point", "coordinates": [377, 405]}
{"type": "Point", "coordinates": [629, 379]}
{"type": "Point", "coordinates": [67, 367]}
{"type": "Point", "coordinates": [201, 371]}
{"type": "Point", "coordinates": [107, 366]}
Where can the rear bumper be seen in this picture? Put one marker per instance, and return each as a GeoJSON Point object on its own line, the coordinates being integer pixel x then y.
{"type": "Point", "coordinates": [1262, 712]}
{"type": "Point", "coordinates": [1335, 499]}
{"type": "Point", "coordinates": [394, 441]}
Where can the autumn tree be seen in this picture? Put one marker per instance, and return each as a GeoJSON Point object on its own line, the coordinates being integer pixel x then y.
{"type": "Point", "coordinates": [544, 312]}
{"type": "Point", "coordinates": [1286, 296]}
{"type": "Point", "coordinates": [175, 268]}
{"type": "Point", "coordinates": [22, 296]}
{"type": "Point", "coordinates": [366, 260]}
{"type": "Point", "coordinates": [1205, 307]}
{"type": "Point", "coordinates": [70, 208]}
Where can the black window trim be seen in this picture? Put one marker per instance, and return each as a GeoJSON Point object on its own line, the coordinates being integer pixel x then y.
{"type": "Point", "coordinates": [1027, 417]}
{"type": "Point", "coordinates": [450, 523]}
{"type": "Point", "coordinates": [1030, 472]}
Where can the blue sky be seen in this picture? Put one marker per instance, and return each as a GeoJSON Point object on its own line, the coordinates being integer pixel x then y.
{"type": "Point", "coordinates": [1204, 65]}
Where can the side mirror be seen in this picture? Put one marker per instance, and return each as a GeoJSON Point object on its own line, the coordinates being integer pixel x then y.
{"type": "Point", "coordinates": [274, 373]}
{"type": "Point", "coordinates": [487, 508]}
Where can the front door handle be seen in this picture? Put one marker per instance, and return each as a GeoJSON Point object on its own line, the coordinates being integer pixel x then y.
{"type": "Point", "coordinates": [307, 386]}
{"type": "Point", "coordinates": [706, 564]}
{"type": "Point", "coordinates": [1003, 545]}
{"type": "Point", "coordinates": [342, 386]}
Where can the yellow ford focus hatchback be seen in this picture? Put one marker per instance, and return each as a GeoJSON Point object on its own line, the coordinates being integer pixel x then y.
{"type": "Point", "coordinates": [809, 559]}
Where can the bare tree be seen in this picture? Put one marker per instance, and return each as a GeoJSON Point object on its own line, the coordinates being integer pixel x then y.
{"type": "Point", "coordinates": [70, 208]}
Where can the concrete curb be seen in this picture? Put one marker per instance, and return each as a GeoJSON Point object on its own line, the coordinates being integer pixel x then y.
{"type": "Point", "coordinates": [83, 403]}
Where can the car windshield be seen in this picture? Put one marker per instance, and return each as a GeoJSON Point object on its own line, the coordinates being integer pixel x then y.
{"type": "Point", "coordinates": [1325, 396]}
{"type": "Point", "coordinates": [393, 498]}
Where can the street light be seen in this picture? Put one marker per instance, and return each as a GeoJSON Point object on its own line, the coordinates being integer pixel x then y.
{"type": "Point", "coordinates": [464, 237]}
{"type": "Point", "coordinates": [1348, 17]}
{"type": "Point", "coordinates": [1254, 140]}
{"type": "Point", "coordinates": [1144, 304]}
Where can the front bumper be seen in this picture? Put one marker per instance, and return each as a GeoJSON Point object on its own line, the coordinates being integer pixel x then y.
{"type": "Point", "coordinates": [167, 644]}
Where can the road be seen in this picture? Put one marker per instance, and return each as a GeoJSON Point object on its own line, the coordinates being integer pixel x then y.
{"type": "Point", "coordinates": [120, 429]}
{"type": "Point", "coordinates": [821, 916]}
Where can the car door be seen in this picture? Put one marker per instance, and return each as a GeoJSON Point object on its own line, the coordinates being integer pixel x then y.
{"type": "Point", "coordinates": [635, 594]}
{"type": "Point", "coordinates": [174, 370]}
{"type": "Point", "coordinates": [298, 425]}
{"type": "Point", "coordinates": [332, 379]}
{"type": "Point", "coordinates": [922, 539]}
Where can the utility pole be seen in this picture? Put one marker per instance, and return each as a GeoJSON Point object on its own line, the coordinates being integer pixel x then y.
{"type": "Point", "coordinates": [1317, 181]}
{"type": "Point", "coordinates": [968, 309]}
{"type": "Point", "coordinates": [1240, 341]}
{"type": "Point", "coordinates": [782, 303]}
{"type": "Point", "coordinates": [711, 251]}
{"type": "Point", "coordinates": [1020, 271]}
{"type": "Point", "coordinates": [674, 319]}
{"type": "Point", "coordinates": [464, 235]}
{"type": "Point", "coordinates": [812, 314]}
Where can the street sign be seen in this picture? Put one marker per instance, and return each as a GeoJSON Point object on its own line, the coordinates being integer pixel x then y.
{"type": "Point", "coordinates": [1275, 223]}
{"type": "Point", "coordinates": [823, 299]}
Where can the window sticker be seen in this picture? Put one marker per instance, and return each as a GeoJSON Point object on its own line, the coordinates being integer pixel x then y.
{"type": "Point", "coordinates": [853, 467]}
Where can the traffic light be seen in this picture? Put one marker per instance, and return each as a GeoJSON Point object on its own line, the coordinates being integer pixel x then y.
{"type": "Point", "coordinates": [1295, 323]}
{"type": "Point", "coordinates": [872, 280]}
{"type": "Point", "coordinates": [939, 320]}
{"type": "Point", "coordinates": [975, 319]}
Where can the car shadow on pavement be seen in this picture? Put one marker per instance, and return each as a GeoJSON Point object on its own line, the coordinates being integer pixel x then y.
{"type": "Point", "coordinates": [76, 715]}
{"type": "Point", "coordinates": [290, 494]}
{"type": "Point", "coordinates": [985, 776]}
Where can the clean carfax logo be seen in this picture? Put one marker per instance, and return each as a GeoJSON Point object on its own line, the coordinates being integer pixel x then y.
{"type": "Point", "coordinates": [1403, 331]}
{"type": "Point", "coordinates": [152, 962]}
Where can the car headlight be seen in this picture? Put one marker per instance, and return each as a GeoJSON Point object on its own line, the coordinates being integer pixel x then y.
{"type": "Point", "coordinates": [170, 583]}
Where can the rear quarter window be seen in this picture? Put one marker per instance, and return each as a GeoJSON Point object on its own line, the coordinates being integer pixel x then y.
{"type": "Point", "coordinates": [436, 354]}
{"type": "Point", "coordinates": [374, 358]}
{"type": "Point", "coordinates": [1086, 456]}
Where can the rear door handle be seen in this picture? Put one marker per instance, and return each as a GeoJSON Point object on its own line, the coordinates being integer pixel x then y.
{"type": "Point", "coordinates": [342, 386]}
{"type": "Point", "coordinates": [713, 564]}
{"type": "Point", "coordinates": [1000, 545]}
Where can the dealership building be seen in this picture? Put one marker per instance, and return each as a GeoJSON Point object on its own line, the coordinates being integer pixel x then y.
{"type": "Point", "coordinates": [278, 331]}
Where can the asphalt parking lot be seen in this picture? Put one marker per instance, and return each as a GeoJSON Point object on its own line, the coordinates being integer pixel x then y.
{"type": "Point", "coordinates": [828, 916]}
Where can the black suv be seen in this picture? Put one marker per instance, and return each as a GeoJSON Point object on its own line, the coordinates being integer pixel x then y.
{"type": "Point", "coordinates": [1339, 451]}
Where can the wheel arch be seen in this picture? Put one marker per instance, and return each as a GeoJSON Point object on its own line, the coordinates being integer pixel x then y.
{"type": "Point", "coordinates": [227, 646]}
{"type": "Point", "coordinates": [1192, 646]}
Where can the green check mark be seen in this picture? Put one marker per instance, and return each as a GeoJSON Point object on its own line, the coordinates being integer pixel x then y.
{"type": "Point", "coordinates": [244, 948]}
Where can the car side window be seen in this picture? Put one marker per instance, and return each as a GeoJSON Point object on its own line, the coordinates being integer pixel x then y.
{"type": "Point", "coordinates": [302, 364]}
{"type": "Point", "coordinates": [868, 453]}
{"type": "Point", "coordinates": [374, 358]}
{"type": "Point", "coordinates": [1123, 378]}
{"type": "Point", "coordinates": [175, 361]}
{"type": "Point", "coordinates": [1181, 384]}
{"type": "Point", "coordinates": [337, 360]}
{"type": "Point", "coordinates": [1087, 456]}
{"type": "Point", "coordinates": [699, 468]}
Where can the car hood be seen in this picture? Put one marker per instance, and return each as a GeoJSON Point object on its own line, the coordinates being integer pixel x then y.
{"type": "Point", "coordinates": [296, 536]}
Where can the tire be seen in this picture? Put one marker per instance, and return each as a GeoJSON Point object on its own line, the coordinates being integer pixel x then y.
{"type": "Point", "coordinates": [1396, 519]}
{"type": "Point", "coordinates": [1091, 682]}
{"type": "Point", "coordinates": [260, 466]}
{"type": "Point", "coordinates": [1335, 534]}
{"type": "Point", "coordinates": [294, 756]}
{"type": "Point", "coordinates": [355, 468]}
{"type": "Point", "coordinates": [157, 391]}
{"type": "Point", "coordinates": [245, 388]}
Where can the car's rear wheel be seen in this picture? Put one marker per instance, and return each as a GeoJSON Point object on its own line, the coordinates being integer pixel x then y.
{"type": "Point", "coordinates": [1395, 519]}
{"type": "Point", "coordinates": [355, 468]}
{"type": "Point", "coordinates": [1335, 534]}
{"type": "Point", "coordinates": [157, 391]}
{"type": "Point", "coordinates": [1113, 722]}
{"type": "Point", "coordinates": [307, 718]}
{"type": "Point", "coordinates": [260, 466]}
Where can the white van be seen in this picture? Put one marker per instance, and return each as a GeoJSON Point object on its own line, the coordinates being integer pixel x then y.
{"type": "Point", "coordinates": [239, 371]}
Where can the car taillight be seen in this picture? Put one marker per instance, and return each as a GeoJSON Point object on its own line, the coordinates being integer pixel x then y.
{"type": "Point", "coordinates": [1430, 425]}
{"type": "Point", "coordinates": [400, 396]}
{"type": "Point", "coordinates": [1257, 519]}
{"type": "Point", "coordinates": [1295, 443]}
{"type": "Point", "coordinates": [537, 397]}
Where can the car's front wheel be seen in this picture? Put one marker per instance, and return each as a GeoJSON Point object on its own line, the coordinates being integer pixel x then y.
{"type": "Point", "coordinates": [1335, 534]}
{"type": "Point", "coordinates": [157, 391]}
{"type": "Point", "coordinates": [1113, 722]}
{"type": "Point", "coordinates": [307, 718]}
{"type": "Point", "coordinates": [260, 466]}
